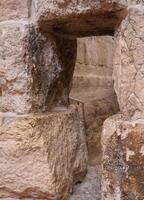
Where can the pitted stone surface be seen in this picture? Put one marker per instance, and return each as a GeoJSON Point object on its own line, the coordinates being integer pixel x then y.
{"type": "Point", "coordinates": [41, 156]}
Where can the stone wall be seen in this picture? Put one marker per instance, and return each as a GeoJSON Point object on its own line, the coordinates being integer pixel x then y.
{"type": "Point", "coordinates": [122, 136]}
{"type": "Point", "coordinates": [43, 153]}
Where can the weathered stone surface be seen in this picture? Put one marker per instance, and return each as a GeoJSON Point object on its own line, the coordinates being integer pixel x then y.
{"type": "Point", "coordinates": [15, 76]}
{"type": "Point", "coordinates": [14, 9]}
{"type": "Point", "coordinates": [41, 156]}
{"type": "Point", "coordinates": [35, 69]}
{"type": "Point", "coordinates": [129, 63]}
{"type": "Point", "coordinates": [79, 18]}
{"type": "Point", "coordinates": [53, 59]}
{"type": "Point", "coordinates": [123, 159]}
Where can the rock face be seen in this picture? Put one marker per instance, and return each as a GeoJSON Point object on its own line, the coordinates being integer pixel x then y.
{"type": "Point", "coordinates": [44, 154]}
{"type": "Point", "coordinates": [122, 136]}
{"type": "Point", "coordinates": [41, 156]}
{"type": "Point", "coordinates": [15, 76]}
{"type": "Point", "coordinates": [129, 63]}
{"type": "Point", "coordinates": [33, 68]}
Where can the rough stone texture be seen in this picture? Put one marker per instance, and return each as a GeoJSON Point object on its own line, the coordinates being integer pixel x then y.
{"type": "Point", "coordinates": [123, 159]}
{"type": "Point", "coordinates": [79, 18]}
{"type": "Point", "coordinates": [129, 63]}
{"type": "Point", "coordinates": [15, 75]}
{"type": "Point", "coordinates": [93, 85]}
{"type": "Point", "coordinates": [14, 9]}
{"type": "Point", "coordinates": [36, 69]}
{"type": "Point", "coordinates": [41, 156]}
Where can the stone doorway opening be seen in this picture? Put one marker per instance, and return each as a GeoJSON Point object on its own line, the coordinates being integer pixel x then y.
{"type": "Point", "coordinates": [93, 90]}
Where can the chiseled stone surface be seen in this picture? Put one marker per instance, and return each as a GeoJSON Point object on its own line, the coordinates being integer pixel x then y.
{"type": "Point", "coordinates": [41, 156]}
{"type": "Point", "coordinates": [123, 159]}
{"type": "Point", "coordinates": [79, 17]}
{"type": "Point", "coordinates": [129, 63]}
{"type": "Point", "coordinates": [14, 9]}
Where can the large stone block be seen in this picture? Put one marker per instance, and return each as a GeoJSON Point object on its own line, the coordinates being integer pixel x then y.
{"type": "Point", "coordinates": [41, 156]}
{"type": "Point", "coordinates": [53, 60]}
{"type": "Point", "coordinates": [14, 9]}
{"type": "Point", "coordinates": [79, 17]}
{"type": "Point", "coordinates": [35, 69]}
{"type": "Point", "coordinates": [129, 63]}
{"type": "Point", "coordinates": [15, 78]}
{"type": "Point", "coordinates": [123, 159]}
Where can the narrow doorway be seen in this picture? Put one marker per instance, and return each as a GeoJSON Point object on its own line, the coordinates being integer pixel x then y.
{"type": "Point", "coordinates": [93, 92]}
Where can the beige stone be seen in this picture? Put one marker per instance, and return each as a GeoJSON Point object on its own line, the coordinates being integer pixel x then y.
{"type": "Point", "coordinates": [41, 156]}
{"type": "Point", "coordinates": [34, 74]}
{"type": "Point", "coordinates": [15, 78]}
{"type": "Point", "coordinates": [129, 63]}
{"type": "Point", "coordinates": [14, 9]}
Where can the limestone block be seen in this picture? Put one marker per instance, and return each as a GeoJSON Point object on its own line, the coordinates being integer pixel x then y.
{"type": "Point", "coordinates": [14, 9]}
{"type": "Point", "coordinates": [35, 69]}
{"type": "Point", "coordinates": [79, 18]}
{"type": "Point", "coordinates": [123, 159]}
{"type": "Point", "coordinates": [41, 156]}
{"type": "Point", "coordinates": [15, 78]}
{"type": "Point", "coordinates": [129, 63]}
